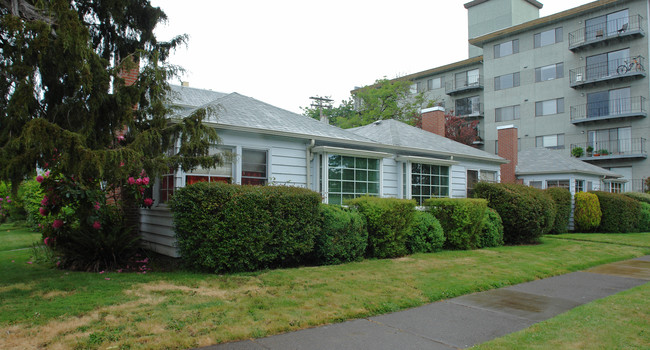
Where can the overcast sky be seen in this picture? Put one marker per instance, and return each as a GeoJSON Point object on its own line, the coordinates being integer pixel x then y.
{"type": "Point", "coordinates": [284, 51]}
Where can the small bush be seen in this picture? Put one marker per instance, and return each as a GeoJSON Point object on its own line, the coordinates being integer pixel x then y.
{"type": "Point", "coordinates": [527, 213]}
{"type": "Point", "coordinates": [426, 234]}
{"type": "Point", "coordinates": [644, 217]}
{"type": "Point", "coordinates": [641, 197]}
{"type": "Point", "coordinates": [587, 214]}
{"type": "Point", "coordinates": [343, 236]}
{"type": "Point", "coordinates": [620, 213]}
{"type": "Point", "coordinates": [461, 220]}
{"type": "Point", "coordinates": [562, 199]}
{"type": "Point", "coordinates": [492, 231]}
{"type": "Point", "coordinates": [31, 195]}
{"type": "Point", "coordinates": [222, 227]}
{"type": "Point", "coordinates": [11, 207]}
{"type": "Point", "coordinates": [388, 221]}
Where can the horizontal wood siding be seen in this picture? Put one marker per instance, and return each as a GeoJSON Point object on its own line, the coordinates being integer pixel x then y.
{"type": "Point", "coordinates": [390, 177]}
{"type": "Point", "coordinates": [458, 181]}
{"type": "Point", "coordinates": [157, 231]}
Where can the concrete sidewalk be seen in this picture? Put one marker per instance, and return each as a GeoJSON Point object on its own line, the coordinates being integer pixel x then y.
{"type": "Point", "coordinates": [467, 320]}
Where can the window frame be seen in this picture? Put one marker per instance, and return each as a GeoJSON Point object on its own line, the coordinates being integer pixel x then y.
{"type": "Point", "coordinates": [511, 78]}
{"type": "Point", "coordinates": [558, 144]}
{"type": "Point", "coordinates": [251, 180]}
{"type": "Point", "coordinates": [432, 86]}
{"type": "Point", "coordinates": [499, 48]}
{"type": "Point", "coordinates": [444, 189]}
{"type": "Point", "coordinates": [516, 110]}
{"type": "Point", "coordinates": [341, 192]}
{"type": "Point", "coordinates": [540, 107]}
{"type": "Point", "coordinates": [557, 68]}
{"type": "Point", "coordinates": [557, 32]}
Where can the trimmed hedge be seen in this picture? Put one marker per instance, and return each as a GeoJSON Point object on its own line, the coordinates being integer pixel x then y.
{"type": "Point", "coordinates": [587, 213]}
{"type": "Point", "coordinates": [426, 234]}
{"type": "Point", "coordinates": [388, 221]}
{"type": "Point", "coordinates": [343, 236]}
{"type": "Point", "coordinates": [492, 231]}
{"type": "Point", "coordinates": [620, 213]}
{"type": "Point", "coordinates": [461, 220]}
{"type": "Point", "coordinates": [644, 217]}
{"type": "Point", "coordinates": [562, 198]}
{"type": "Point", "coordinates": [641, 197]}
{"type": "Point", "coordinates": [222, 227]}
{"type": "Point", "coordinates": [527, 213]}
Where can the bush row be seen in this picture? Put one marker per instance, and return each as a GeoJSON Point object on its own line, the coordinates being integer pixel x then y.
{"type": "Point", "coordinates": [620, 213]}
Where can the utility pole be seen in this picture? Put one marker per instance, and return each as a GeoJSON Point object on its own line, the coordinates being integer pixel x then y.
{"type": "Point", "coordinates": [321, 102]}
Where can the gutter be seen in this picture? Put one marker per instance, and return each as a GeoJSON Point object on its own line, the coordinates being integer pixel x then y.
{"type": "Point", "coordinates": [308, 158]}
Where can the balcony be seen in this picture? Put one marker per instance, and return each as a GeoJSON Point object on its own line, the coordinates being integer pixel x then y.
{"type": "Point", "coordinates": [609, 110]}
{"type": "Point", "coordinates": [612, 150]}
{"type": "Point", "coordinates": [470, 84]}
{"type": "Point", "coordinates": [619, 69]}
{"type": "Point", "coordinates": [605, 33]}
{"type": "Point", "coordinates": [474, 110]}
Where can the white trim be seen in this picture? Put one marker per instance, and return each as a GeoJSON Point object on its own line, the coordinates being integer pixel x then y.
{"type": "Point", "coordinates": [433, 109]}
{"type": "Point", "coordinates": [352, 152]}
{"type": "Point", "coordinates": [511, 126]}
{"type": "Point", "coordinates": [426, 160]}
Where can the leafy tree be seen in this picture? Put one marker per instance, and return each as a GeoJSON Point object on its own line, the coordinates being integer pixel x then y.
{"type": "Point", "coordinates": [460, 130]}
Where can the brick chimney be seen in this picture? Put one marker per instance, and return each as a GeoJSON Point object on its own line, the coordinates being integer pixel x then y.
{"type": "Point", "coordinates": [433, 120]}
{"type": "Point", "coordinates": [507, 137]}
{"type": "Point", "coordinates": [130, 75]}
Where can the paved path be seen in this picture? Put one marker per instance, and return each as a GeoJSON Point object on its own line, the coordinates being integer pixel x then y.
{"type": "Point", "coordinates": [467, 320]}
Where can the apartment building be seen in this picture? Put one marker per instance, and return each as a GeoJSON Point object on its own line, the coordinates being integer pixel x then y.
{"type": "Point", "coordinates": [572, 80]}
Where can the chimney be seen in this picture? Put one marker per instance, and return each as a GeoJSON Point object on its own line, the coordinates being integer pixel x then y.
{"type": "Point", "coordinates": [130, 76]}
{"type": "Point", "coordinates": [185, 84]}
{"type": "Point", "coordinates": [507, 142]}
{"type": "Point", "coordinates": [433, 120]}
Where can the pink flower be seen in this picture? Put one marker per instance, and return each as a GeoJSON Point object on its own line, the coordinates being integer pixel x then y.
{"type": "Point", "coordinates": [39, 179]}
{"type": "Point", "coordinates": [100, 272]}
{"type": "Point", "coordinates": [142, 173]}
{"type": "Point", "coordinates": [0, 199]}
{"type": "Point", "coordinates": [29, 262]}
{"type": "Point", "coordinates": [131, 180]}
{"type": "Point", "coordinates": [47, 173]}
{"type": "Point", "coordinates": [148, 202]}
{"type": "Point", "coordinates": [57, 223]}
{"type": "Point", "coordinates": [97, 206]}
{"type": "Point", "coordinates": [97, 225]}
{"type": "Point", "coordinates": [145, 181]}
{"type": "Point", "coordinates": [8, 200]}
{"type": "Point", "coordinates": [138, 181]}
{"type": "Point", "coordinates": [58, 263]}
{"type": "Point", "coordinates": [108, 279]}
{"type": "Point", "coordinates": [46, 241]}
{"type": "Point", "coordinates": [121, 164]}
{"type": "Point", "coordinates": [42, 211]}
{"type": "Point", "coordinates": [44, 201]}
{"type": "Point", "coordinates": [120, 138]}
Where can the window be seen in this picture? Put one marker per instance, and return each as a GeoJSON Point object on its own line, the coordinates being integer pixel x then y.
{"type": "Point", "coordinates": [580, 186]}
{"type": "Point", "coordinates": [429, 181]}
{"type": "Point", "coordinates": [548, 37]}
{"type": "Point", "coordinates": [222, 173]}
{"type": "Point", "coordinates": [550, 72]}
{"type": "Point", "coordinates": [473, 177]}
{"type": "Point", "coordinates": [467, 78]}
{"type": "Point", "coordinates": [506, 49]}
{"type": "Point", "coordinates": [535, 184]}
{"type": "Point", "coordinates": [351, 177]}
{"type": "Point", "coordinates": [166, 190]}
{"type": "Point", "coordinates": [590, 186]}
{"type": "Point", "coordinates": [616, 140]}
{"type": "Point", "coordinates": [614, 187]}
{"type": "Point", "coordinates": [488, 176]}
{"type": "Point", "coordinates": [414, 88]}
{"type": "Point", "coordinates": [557, 183]}
{"type": "Point", "coordinates": [605, 103]}
{"type": "Point", "coordinates": [506, 81]}
{"type": "Point", "coordinates": [603, 65]}
{"type": "Point", "coordinates": [547, 107]}
{"type": "Point", "coordinates": [608, 25]}
{"type": "Point", "coordinates": [434, 83]}
{"type": "Point", "coordinates": [506, 113]}
{"type": "Point", "coordinates": [253, 168]}
{"type": "Point", "coordinates": [420, 86]}
{"type": "Point", "coordinates": [468, 106]}
{"type": "Point", "coordinates": [550, 141]}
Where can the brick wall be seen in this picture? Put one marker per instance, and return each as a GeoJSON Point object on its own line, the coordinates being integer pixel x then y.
{"type": "Point", "coordinates": [433, 120]}
{"type": "Point", "coordinates": [507, 136]}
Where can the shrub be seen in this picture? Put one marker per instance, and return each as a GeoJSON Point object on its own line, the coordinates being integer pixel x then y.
{"type": "Point", "coordinates": [222, 227]}
{"type": "Point", "coordinates": [388, 221]}
{"type": "Point", "coordinates": [527, 213]}
{"type": "Point", "coordinates": [641, 197]}
{"type": "Point", "coordinates": [620, 213]}
{"type": "Point", "coordinates": [31, 195]}
{"type": "Point", "coordinates": [343, 236]}
{"type": "Point", "coordinates": [426, 234]}
{"type": "Point", "coordinates": [587, 214]}
{"type": "Point", "coordinates": [562, 199]}
{"type": "Point", "coordinates": [644, 217]}
{"type": "Point", "coordinates": [461, 220]}
{"type": "Point", "coordinates": [11, 207]}
{"type": "Point", "coordinates": [492, 231]}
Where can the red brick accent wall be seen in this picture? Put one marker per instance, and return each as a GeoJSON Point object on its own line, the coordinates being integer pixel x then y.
{"type": "Point", "coordinates": [131, 75]}
{"type": "Point", "coordinates": [434, 121]}
{"type": "Point", "coordinates": [508, 150]}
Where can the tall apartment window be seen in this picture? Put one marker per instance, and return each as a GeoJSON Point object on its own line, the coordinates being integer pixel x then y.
{"type": "Point", "coordinates": [605, 64]}
{"type": "Point", "coordinates": [351, 177]}
{"type": "Point", "coordinates": [550, 141]}
{"type": "Point", "coordinates": [506, 81]}
{"type": "Point", "coordinates": [222, 173]}
{"type": "Point", "coordinates": [429, 181]}
{"type": "Point", "coordinates": [468, 106]}
{"type": "Point", "coordinates": [608, 25]}
{"type": "Point", "coordinates": [548, 37]}
{"type": "Point", "coordinates": [547, 107]}
{"type": "Point", "coordinates": [434, 83]}
{"type": "Point", "coordinates": [558, 183]}
{"type": "Point", "coordinates": [550, 72]}
{"type": "Point", "coordinates": [615, 140]}
{"type": "Point", "coordinates": [605, 103]}
{"type": "Point", "coordinates": [507, 113]}
{"type": "Point", "coordinates": [467, 78]}
{"type": "Point", "coordinates": [254, 167]}
{"type": "Point", "coordinates": [506, 49]}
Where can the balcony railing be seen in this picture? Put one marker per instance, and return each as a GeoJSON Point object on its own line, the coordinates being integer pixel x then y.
{"type": "Point", "coordinates": [619, 28]}
{"type": "Point", "coordinates": [613, 149]}
{"type": "Point", "coordinates": [471, 83]}
{"type": "Point", "coordinates": [637, 185]}
{"type": "Point", "coordinates": [613, 69]}
{"type": "Point", "coordinates": [471, 111]}
{"type": "Point", "coordinates": [609, 109]}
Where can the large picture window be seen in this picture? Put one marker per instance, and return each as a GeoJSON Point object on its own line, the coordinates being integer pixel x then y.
{"type": "Point", "coordinates": [222, 173]}
{"type": "Point", "coordinates": [350, 177]}
{"type": "Point", "coordinates": [429, 181]}
{"type": "Point", "coordinates": [254, 167]}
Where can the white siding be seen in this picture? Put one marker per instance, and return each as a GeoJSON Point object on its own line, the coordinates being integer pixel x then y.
{"type": "Point", "coordinates": [389, 177]}
{"type": "Point", "coordinates": [458, 181]}
{"type": "Point", "coordinates": [157, 231]}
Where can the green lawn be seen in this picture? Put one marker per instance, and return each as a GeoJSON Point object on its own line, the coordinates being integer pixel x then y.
{"type": "Point", "coordinates": [40, 306]}
{"type": "Point", "coordinates": [16, 236]}
{"type": "Point", "coordinates": [633, 239]}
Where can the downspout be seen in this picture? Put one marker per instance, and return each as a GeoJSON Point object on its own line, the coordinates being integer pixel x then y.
{"type": "Point", "coordinates": [308, 159]}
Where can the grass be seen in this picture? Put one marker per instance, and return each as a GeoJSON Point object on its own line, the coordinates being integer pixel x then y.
{"type": "Point", "coordinates": [16, 236]}
{"type": "Point", "coordinates": [632, 239]}
{"type": "Point", "coordinates": [44, 307]}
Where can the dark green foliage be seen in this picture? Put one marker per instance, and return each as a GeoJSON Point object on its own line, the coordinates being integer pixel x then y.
{"type": "Point", "coordinates": [644, 217]}
{"type": "Point", "coordinates": [388, 221]}
{"type": "Point", "coordinates": [527, 213]}
{"type": "Point", "coordinates": [343, 236]}
{"type": "Point", "coordinates": [641, 197]}
{"type": "Point", "coordinates": [222, 228]}
{"type": "Point", "coordinates": [587, 214]}
{"type": "Point", "coordinates": [492, 231]}
{"type": "Point", "coordinates": [562, 199]}
{"type": "Point", "coordinates": [461, 220]}
{"type": "Point", "coordinates": [620, 213]}
{"type": "Point", "coordinates": [426, 234]}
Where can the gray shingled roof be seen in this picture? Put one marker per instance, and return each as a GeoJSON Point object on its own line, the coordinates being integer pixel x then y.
{"type": "Point", "coordinates": [545, 161]}
{"type": "Point", "coordinates": [399, 134]}
{"type": "Point", "coordinates": [185, 96]}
